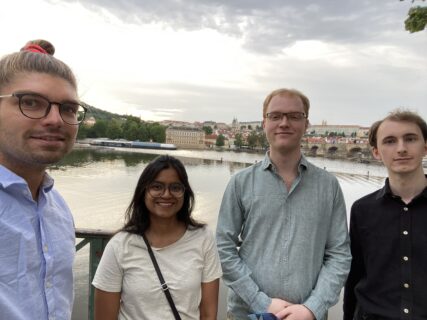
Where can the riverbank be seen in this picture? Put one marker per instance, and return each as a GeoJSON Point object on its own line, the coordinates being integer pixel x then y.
{"type": "Point", "coordinates": [219, 152]}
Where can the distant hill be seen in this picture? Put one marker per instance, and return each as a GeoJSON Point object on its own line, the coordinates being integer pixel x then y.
{"type": "Point", "coordinates": [99, 114]}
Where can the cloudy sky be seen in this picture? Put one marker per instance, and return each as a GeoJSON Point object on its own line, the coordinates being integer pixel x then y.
{"type": "Point", "coordinates": [196, 60]}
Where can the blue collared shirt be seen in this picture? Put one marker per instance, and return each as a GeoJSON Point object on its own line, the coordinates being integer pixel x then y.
{"type": "Point", "coordinates": [295, 243]}
{"type": "Point", "coordinates": [37, 247]}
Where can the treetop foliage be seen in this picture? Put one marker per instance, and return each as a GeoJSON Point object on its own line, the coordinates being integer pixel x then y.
{"type": "Point", "coordinates": [417, 18]}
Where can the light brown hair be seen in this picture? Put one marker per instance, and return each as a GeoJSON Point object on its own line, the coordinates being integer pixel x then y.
{"type": "Point", "coordinates": [288, 92]}
{"type": "Point", "coordinates": [25, 61]}
{"type": "Point", "coordinates": [398, 115]}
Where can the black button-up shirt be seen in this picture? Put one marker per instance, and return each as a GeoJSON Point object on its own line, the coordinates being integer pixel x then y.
{"type": "Point", "coordinates": [388, 276]}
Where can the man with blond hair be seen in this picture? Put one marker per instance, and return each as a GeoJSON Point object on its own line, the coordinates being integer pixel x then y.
{"type": "Point", "coordinates": [288, 219]}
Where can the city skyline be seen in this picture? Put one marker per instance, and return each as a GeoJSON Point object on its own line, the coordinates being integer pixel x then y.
{"type": "Point", "coordinates": [198, 60]}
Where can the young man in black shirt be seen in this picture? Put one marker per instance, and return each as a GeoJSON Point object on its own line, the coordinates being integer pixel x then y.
{"type": "Point", "coordinates": [388, 228]}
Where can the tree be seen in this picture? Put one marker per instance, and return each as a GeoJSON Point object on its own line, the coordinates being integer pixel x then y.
{"type": "Point", "coordinates": [83, 131]}
{"type": "Point", "coordinates": [220, 141]}
{"type": "Point", "coordinates": [208, 130]}
{"type": "Point", "coordinates": [99, 129]}
{"type": "Point", "coordinates": [238, 140]}
{"type": "Point", "coordinates": [131, 130]}
{"type": "Point", "coordinates": [114, 130]}
{"type": "Point", "coordinates": [156, 132]}
{"type": "Point", "coordinates": [417, 18]}
{"type": "Point", "coordinates": [252, 139]}
{"type": "Point", "coordinates": [262, 140]}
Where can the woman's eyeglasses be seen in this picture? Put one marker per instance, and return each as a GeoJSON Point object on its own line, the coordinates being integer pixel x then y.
{"type": "Point", "coordinates": [158, 189]}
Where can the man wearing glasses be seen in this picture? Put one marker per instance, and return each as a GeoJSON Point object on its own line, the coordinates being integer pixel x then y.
{"type": "Point", "coordinates": [39, 118]}
{"type": "Point", "coordinates": [289, 219]}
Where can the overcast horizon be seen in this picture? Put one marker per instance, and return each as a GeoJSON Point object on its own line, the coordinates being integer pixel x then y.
{"type": "Point", "coordinates": [202, 60]}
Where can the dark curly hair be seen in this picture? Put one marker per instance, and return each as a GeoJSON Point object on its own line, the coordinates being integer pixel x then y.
{"type": "Point", "coordinates": [137, 214]}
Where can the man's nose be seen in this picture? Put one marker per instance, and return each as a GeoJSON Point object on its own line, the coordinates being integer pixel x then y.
{"type": "Point", "coordinates": [54, 115]}
{"type": "Point", "coordinates": [284, 121]}
{"type": "Point", "coordinates": [401, 145]}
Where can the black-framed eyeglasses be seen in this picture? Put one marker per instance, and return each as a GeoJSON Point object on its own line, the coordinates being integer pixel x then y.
{"type": "Point", "coordinates": [35, 106]}
{"type": "Point", "coordinates": [290, 116]}
{"type": "Point", "coordinates": [158, 189]}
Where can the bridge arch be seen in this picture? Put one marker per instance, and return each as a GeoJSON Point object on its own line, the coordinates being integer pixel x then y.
{"type": "Point", "coordinates": [332, 151]}
{"type": "Point", "coordinates": [313, 150]}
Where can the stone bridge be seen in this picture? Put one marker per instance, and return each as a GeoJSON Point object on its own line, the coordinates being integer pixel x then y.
{"type": "Point", "coordinates": [358, 151]}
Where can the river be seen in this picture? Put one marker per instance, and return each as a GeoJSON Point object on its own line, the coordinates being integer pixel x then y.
{"type": "Point", "coordinates": [98, 185]}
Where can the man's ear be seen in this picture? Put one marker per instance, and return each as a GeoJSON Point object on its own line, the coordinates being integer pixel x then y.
{"type": "Point", "coordinates": [376, 154]}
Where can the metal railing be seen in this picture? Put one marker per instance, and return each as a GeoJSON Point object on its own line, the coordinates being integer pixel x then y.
{"type": "Point", "coordinates": [97, 240]}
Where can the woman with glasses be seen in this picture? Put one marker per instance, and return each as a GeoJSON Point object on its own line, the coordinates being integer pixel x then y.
{"type": "Point", "coordinates": [127, 285]}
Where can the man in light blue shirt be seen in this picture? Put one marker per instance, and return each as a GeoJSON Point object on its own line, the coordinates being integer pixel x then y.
{"type": "Point", "coordinates": [289, 218]}
{"type": "Point", "coordinates": [39, 117]}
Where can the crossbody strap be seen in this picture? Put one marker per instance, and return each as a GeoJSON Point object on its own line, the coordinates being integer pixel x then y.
{"type": "Point", "coordinates": [163, 283]}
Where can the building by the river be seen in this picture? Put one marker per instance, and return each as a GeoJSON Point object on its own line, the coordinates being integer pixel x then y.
{"type": "Point", "coordinates": [186, 137]}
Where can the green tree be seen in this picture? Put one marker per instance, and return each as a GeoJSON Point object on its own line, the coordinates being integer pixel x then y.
{"type": "Point", "coordinates": [131, 130]}
{"type": "Point", "coordinates": [262, 140]}
{"type": "Point", "coordinates": [83, 131]}
{"type": "Point", "coordinates": [156, 132]}
{"type": "Point", "coordinates": [238, 140]}
{"type": "Point", "coordinates": [252, 139]}
{"type": "Point", "coordinates": [208, 130]}
{"type": "Point", "coordinates": [98, 130]}
{"type": "Point", "coordinates": [417, 18]}
{"type": "Point", "coordinates": [220, 140]}
{"type": "Point", "coordinates": [114, 130]}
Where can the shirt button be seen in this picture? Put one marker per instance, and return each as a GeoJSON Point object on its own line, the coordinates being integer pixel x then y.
{"type": "Point", "coordinates": [406, 310]}
{"type": "Point", "coordinates": [48, 284]}
{"type": "Point", "coordinates": [406, 285]}
{"type": "Point", "coordinates": [45, 248]}
{"type": "Point", "coordinates": [405, 209]}
{"type": "Point", "coordinates": [405, 232]}
{"type": "Point", "coordinates": [405, 258]}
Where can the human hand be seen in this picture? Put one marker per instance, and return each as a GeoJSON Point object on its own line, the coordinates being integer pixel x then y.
{"type": "Point", "coordinates": [295, 312]}
{"type": "Point", "coordinates": [277, 305]}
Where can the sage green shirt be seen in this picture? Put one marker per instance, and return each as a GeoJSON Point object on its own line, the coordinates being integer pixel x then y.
{"type": "Point", "coordinates": [295, 243]}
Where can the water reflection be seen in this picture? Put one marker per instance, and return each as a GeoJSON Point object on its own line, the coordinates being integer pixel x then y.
{"type": "Point", "coordinates": [83, 157]}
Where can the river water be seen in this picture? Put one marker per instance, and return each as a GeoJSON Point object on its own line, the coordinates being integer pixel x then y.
{"type": "Point", "coordinates": [98, 185]}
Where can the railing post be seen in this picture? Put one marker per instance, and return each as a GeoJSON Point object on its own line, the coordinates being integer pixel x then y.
{"type": "Point", "coordinates": [96, 248]}
{"type": "Point", "coordinates": [97, 240]}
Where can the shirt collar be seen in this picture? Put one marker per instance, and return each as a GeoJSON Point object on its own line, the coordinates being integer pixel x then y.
{"type": "Point", "coordinates": [9, 178]}
{"type": "Point", "coordinates": [267, 164]}
{"type": "Point", "coordinates": [386, 190]}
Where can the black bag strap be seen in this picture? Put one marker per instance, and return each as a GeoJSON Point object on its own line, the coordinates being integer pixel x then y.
{"type": "Point", "coordinates": [163, 283]}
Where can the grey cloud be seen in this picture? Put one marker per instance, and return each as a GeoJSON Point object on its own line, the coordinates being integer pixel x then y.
{"type": "Point", "coordinates": [270, 25]}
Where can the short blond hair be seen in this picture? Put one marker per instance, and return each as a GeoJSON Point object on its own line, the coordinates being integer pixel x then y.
{"type": "Point", "coordinates": [286, 92]}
